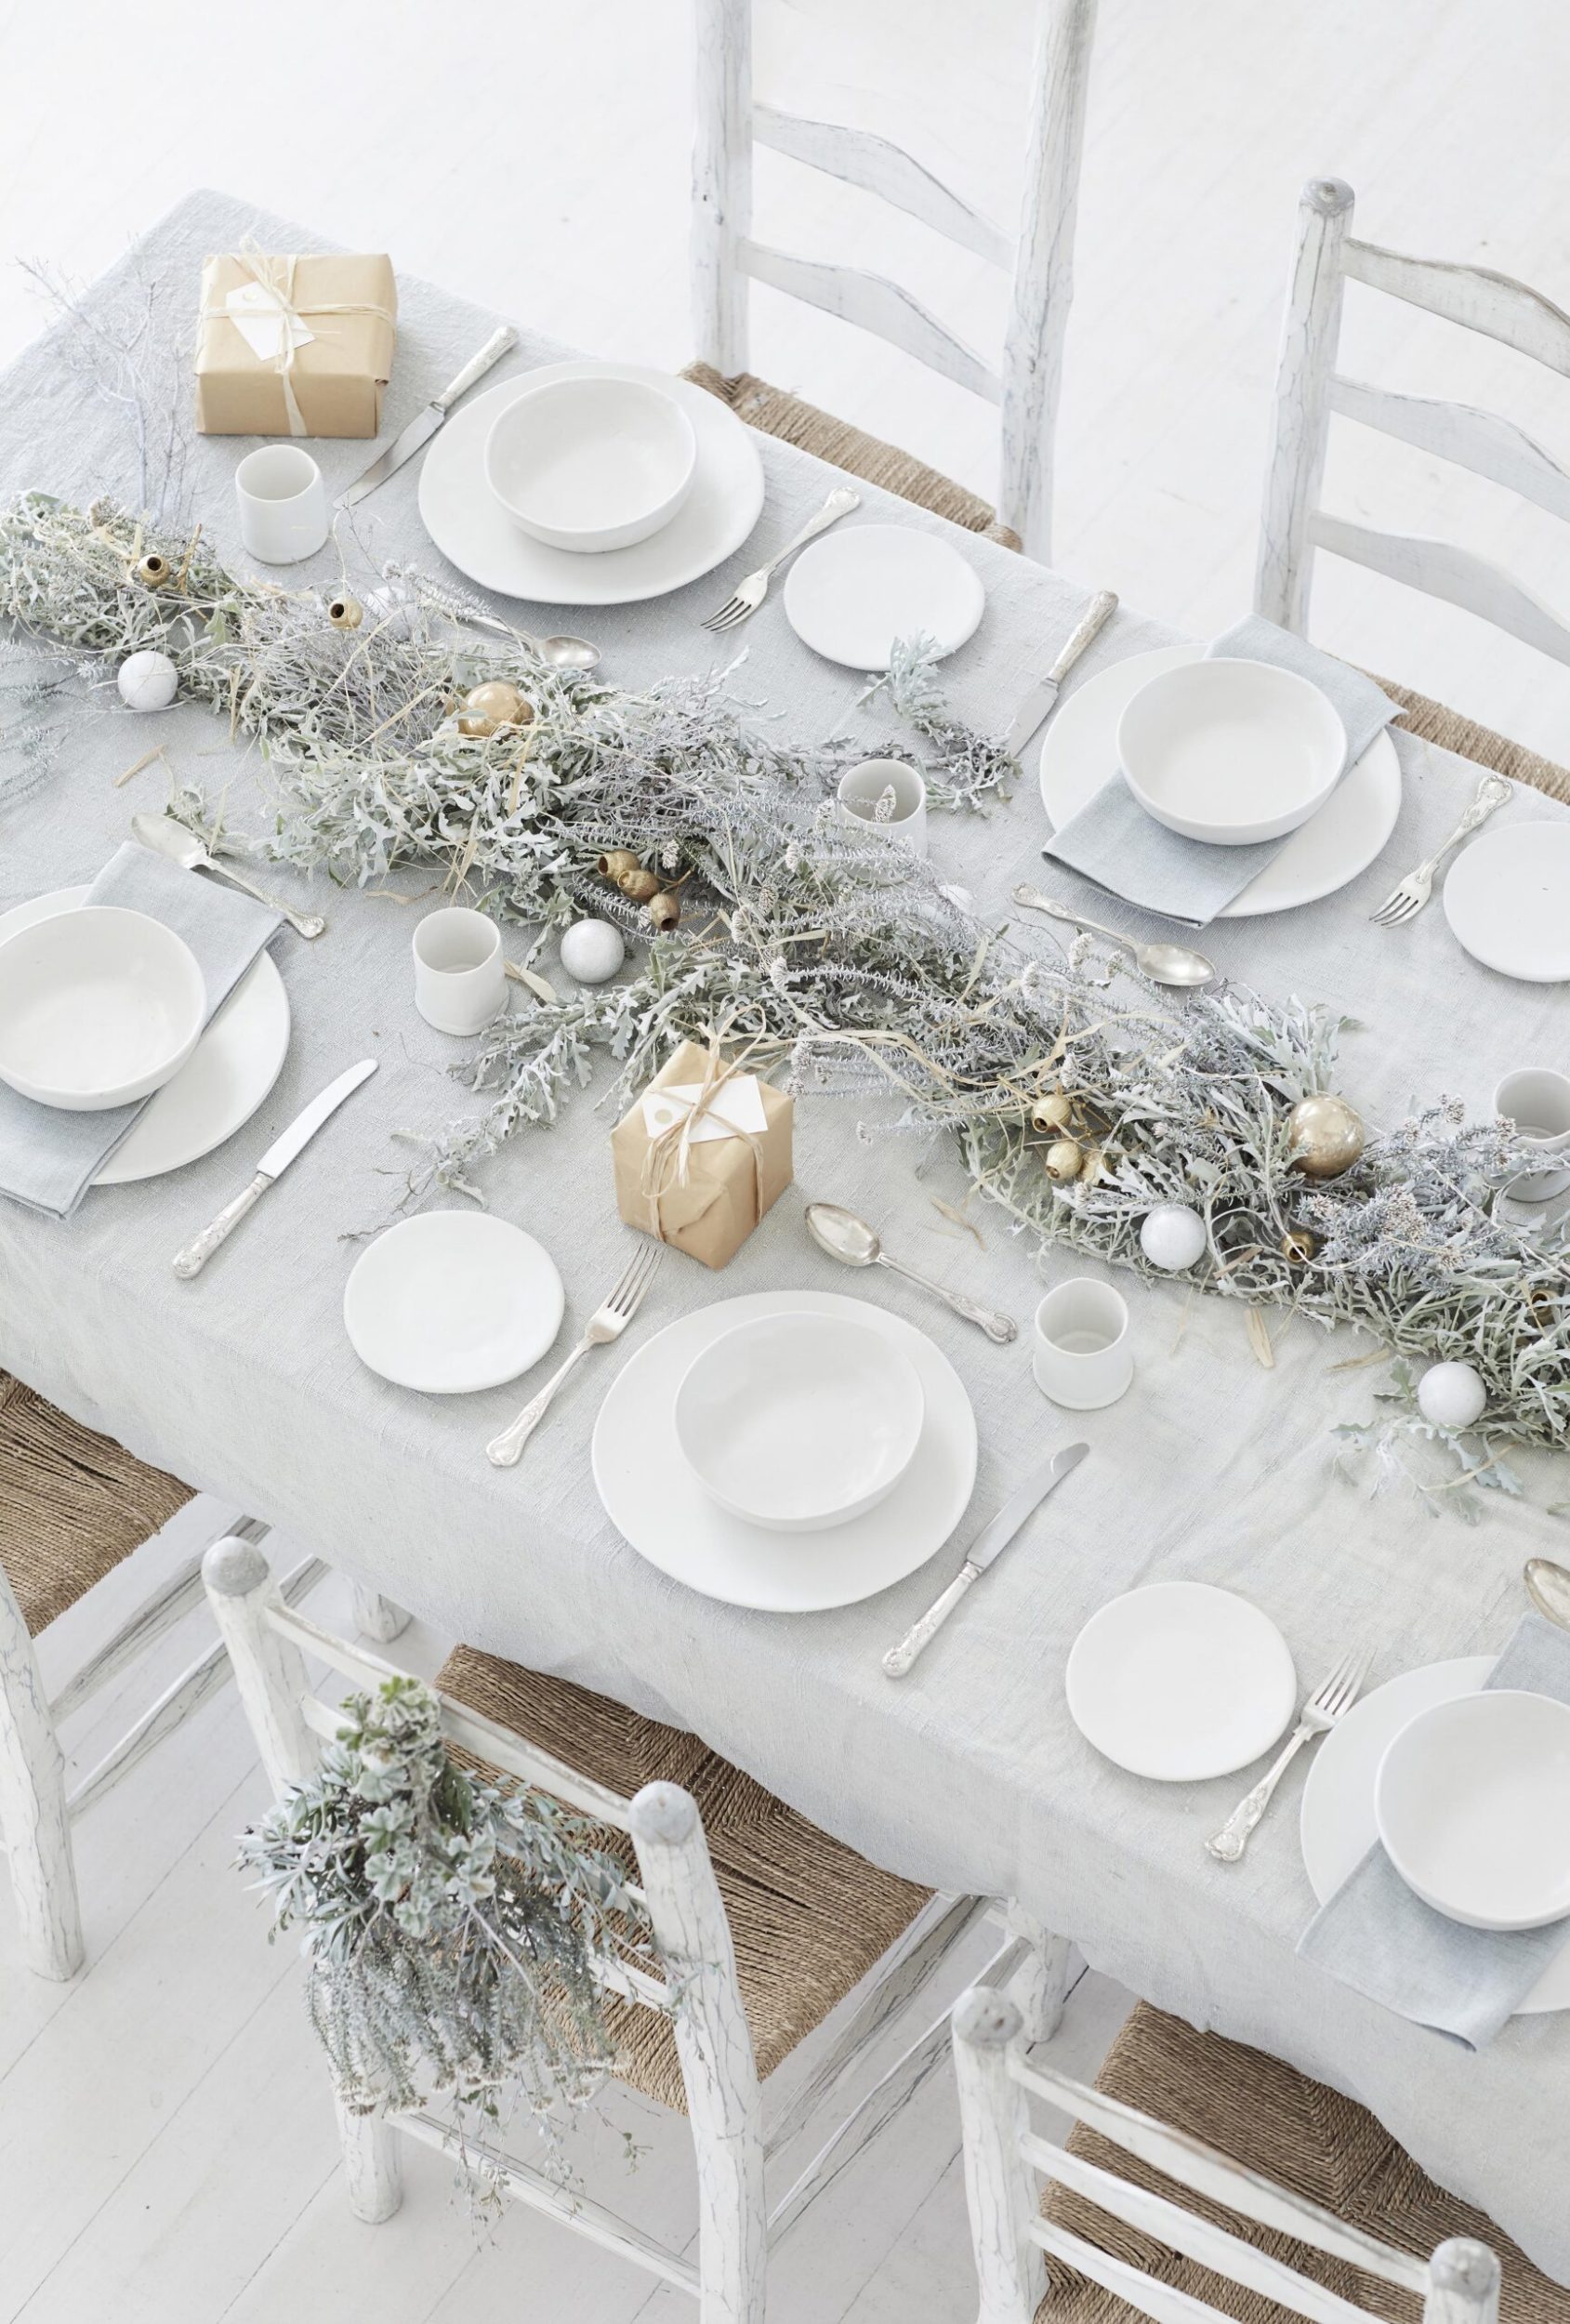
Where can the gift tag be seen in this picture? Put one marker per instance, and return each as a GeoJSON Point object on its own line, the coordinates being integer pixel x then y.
{"type": "Point", "coordinates": [735, 1110]}
{"type": "Point", "coordinates": [265, 324]}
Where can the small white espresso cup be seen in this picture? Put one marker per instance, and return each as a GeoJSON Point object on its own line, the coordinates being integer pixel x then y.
{"type": "Point", "coordinates": [861, 789]}
{"type": "Point", "coordinates": [1538, 1100]}
{"type": "Point", "coordinates": [1081, 1356]}
{"type": "Point", "coordinates": [283, 503]}
{"type": "Point", "coordinates": [460, 978]}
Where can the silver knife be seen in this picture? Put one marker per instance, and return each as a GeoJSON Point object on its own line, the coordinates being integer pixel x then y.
{"type": "Point", "coordinates": [992, 1538]}
{"type": "Point", "coordinates": [1039, 700]}
{"type": "Point", "coordinates": [425, 424]}
{"type": "Point", "coordinates": [275, 1162]}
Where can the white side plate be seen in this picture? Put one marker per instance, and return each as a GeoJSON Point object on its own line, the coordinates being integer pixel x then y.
{"type": "Point", "coordinates": [1507, 898]}
{"type": "Point", "coordinates": [453, 1302]}
{"type": "Point", "coordinates": [851, 595]}
{"type": "Point", "coordinates": [1179, 1681]}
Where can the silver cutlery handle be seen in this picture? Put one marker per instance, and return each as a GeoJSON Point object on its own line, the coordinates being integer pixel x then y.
{"type": "Point", "coordinates": [1034, 900]}
{"type": "Point", "coordinates": [303, 923]}
{"type": "Point", "coordinates": [1230, 1841]}
{"type": "Point", "coordinates": [1002, 1328]}
{"type": "Point", "coordinates": [1492, 793]}
{"type": "Point", "coordinates": [1100, 612]}
{"type": "Point", "coordinates": [919, 1636]}
{"type": "Point", "coordinates": [503, 1451]}
{"type": "Point", "coordinates": [495, 347]}
{"type": "Point", "coordinates": [194, 1256]}
{"type": "Point", "coordinates": [838, 503]}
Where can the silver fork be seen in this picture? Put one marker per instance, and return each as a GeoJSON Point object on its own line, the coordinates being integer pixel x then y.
{"type": "Point", "coordinates": [1408, 897]}
{"type": "Point", "coordinates": [750, 593]}
{"type": "Point", "coordinates": [608, 1321]}
{"type": "Point", "coordinates": [1329, 1700]}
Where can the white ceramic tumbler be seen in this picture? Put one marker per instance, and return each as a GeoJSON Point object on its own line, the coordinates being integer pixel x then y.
{"type": "Point", "coordinates": [861, 789]}
{"type": "Point", "coordinates": [1081, 1358]}
{"type": "Point", "coordinates": [283, 503]}
{"type": "Point", "coordinates": [1538, 1100]}
{"type": "Point", "coordinates": [460, 977]}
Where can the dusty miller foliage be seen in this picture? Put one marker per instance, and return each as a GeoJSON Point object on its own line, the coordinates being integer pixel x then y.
{"type": "Point", "coordinates": [449, 1927]}
{"type": "Point", "coordinates": [848, 964]}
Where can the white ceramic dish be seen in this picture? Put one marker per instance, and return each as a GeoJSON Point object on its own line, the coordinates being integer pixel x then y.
{"type": "Point", "coordinates": [1337, 1826]}
{"type": "Point", "coordinates": [452, 1301]}
{"type": "Point", "coordinates": [660, 1508]}
{"type": "Point", "coordinates": [220, 1085]}
{"type": "Point", "coordinates": [863, 586]}
{"type": "Point", "coordinates": [1507, 898]}
{"type": "Point", "coordinates": [474, 532]}
{"type": "Point", "coordinates": [1080, 750]}
{"type": "Point", "coordinates": [799, 1422]}
{"type": "Point", "coordinates": [98, 1008]}
{"type": "Point", "coordinates": [1229, 752]}
{"type": "Point", "coordinates": [1472, 1802]}
{"type": "Point", "coordinates": [1178, 1680]}
{"type": "Point", "coordinates": [590, 465]}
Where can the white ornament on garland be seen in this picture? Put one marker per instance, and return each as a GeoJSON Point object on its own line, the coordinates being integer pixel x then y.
{"type": "Point", "coordinates": [1451, 1395]}
{"type": "Point", "coordinates": [1173, 1237]}
{"type": "Point", "coordinates": [592, 951]}
{"type": "Point", "coordinates": [147, 681]}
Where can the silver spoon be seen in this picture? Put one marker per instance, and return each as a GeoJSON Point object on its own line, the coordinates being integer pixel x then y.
{"type": "Point", "coordinates": [183, 847]}
{"type": "Point", "coordinates": [1163, 964]}
{"type": "Point", "coordinates": [1548, 1585]}
{"type": "Point", "coordinates": [852, 1241]}
{"type": "Point", "coordinates": [562, 652]}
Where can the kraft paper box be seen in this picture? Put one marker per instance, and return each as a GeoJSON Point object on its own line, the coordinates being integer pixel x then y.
{"type": "Point", "coordinates": [701, 1155]}
{"type": "Point", "coordinates": [295, 345]}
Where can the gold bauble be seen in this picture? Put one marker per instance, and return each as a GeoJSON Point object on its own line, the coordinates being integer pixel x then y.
{"type": "Point", "coordinates": [664, 909]}
{"type": "Point", "coordinates": [617, 861]}
{"type": "Point", "coordinates": [1298, 1246]}
{"type": "Point", "coordinates": [487, 708]}
{"type": "Point", "coordinates": [1063, 1160]}
{"type": "Point", "coordinates": [1051, 1113]}
{"type": "Point", "coordinates": [1324, 1136]}
{"type": "Point", "coordinates": [639, 884]}
{"type": "Point", "coordinates": [153, 570]}
{"type": "Point", "coordinates": [346, 612]}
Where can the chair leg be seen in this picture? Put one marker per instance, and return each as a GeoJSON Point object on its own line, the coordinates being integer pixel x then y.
{"type": "Point", "coordinates": [376, 1616]}
{"type": "Point", "coordinates": [372, 2166]}
{"type": "Point", "coordinates": [33, 1812]}
{"type": "Point", "coordinates": [1040, 1987]}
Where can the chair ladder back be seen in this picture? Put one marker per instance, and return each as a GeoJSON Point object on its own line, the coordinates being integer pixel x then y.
{"type": "Point", "coordinates": [725, 253]}
{"type": "Point", "coordinates": [1309, 390]}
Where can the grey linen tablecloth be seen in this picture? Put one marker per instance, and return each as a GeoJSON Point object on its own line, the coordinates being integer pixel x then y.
{"type": "Point", "coordinates": [969, 1773]}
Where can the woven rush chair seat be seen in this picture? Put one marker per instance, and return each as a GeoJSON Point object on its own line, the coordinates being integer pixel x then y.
{"type": "Point", "coordinates": [1450, 731]}
{"type": "Point", "coordinates": [809, 1917]}
{"type": "Point", "coordinates": [1307, 2139]}
{"type": "Point", "coordinates": [775, 412]}
{"type": "Point", "coordinates": [73, 1504]}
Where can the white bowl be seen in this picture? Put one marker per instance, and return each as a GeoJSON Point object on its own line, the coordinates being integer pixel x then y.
{"type": "Point", "coordinates": [1472, 1802]}
{"type": "Point", "coordinates": [591, 464]}
{"type": "Point", "coordinates": [799, 1421]}
{"type": "Point", "coordinates": [1229, 752]}
{"type": "Point", "coordinates": [98, 1008]}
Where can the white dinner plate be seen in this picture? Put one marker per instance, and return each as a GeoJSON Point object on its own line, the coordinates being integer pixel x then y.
{"type": "Point", "coordinates": [1507, 898]}
{"type": "Point", "coordinates": [474, 532]}
{"type": "Point", "coordinates": [658, 1506]}
{"type": "Point", "coordinates": [452, 1301]}
{"type": "Point", "coordinates": [853, 594]}
{"type": "Point", "coordinates": [220, 1085]}
{"type": "Point", "coordinates": [1179, 1681]}
{"type": "Point", "coordinates": [1338, 1827]}
{"type": "Point", "coordinates": [1080, 751]}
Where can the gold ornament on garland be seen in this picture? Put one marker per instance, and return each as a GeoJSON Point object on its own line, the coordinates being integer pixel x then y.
{"type": "Point", "coordinates": [1324, 1135]}
{"type": "Point", "coordinates": [346, 612]}
{"type": "Point", "coordinates": [1298, 1246]}
{"type": "Point", "coordinates": [617, 861]}
{"type": "Point", "coordinates": [487, 709]}
{"type": "Point", "coordinates": [664, 909]}
{"type": "Point", "coordinates": [153, 571]}
{"type": "Point", "coordinates": [1063, 1160]}
{"type": "Point", "coordinates": [639, 885]}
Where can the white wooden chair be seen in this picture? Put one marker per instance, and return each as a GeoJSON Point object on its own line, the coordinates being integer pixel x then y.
{"type": "Point", "coordinates": [1007, 2162]}
{"type": "Point", "coordinates": [726, 256]}
{"type": "Point", "coordinates": [74, 1505]}
{"type": "Point", "coordinates": [715, 2067]}
{"type": "Point", "coordinates": [1309, 390]}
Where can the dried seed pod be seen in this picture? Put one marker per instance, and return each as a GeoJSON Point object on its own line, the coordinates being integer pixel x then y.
{"type": "Point", "coordinates": [639, 884]}
{"type": "Point", "coordinates": [1063, 1160]}
{"type": "Point", "coordinates": [153, 571]}
{"type": "Point", "coordinates": [1052, 1111]}
{"type": "Point", "coordinates": [1298, 1246]}
{"type": "Point", "coordinates": [615, 862]}
{"type": "Point", "coordinates": [346, 612]}
{"type": "Point", "coordinates": [664, 909]}
{"type": "Point", "coordinates": [487, 708]}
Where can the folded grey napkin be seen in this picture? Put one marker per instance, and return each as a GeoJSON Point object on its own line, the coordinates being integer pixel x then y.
{"type": "Point", "coordinates": [1113, 841]}
{"type": "Point", "coordinates": [1383, 1941]}
{"type": "Point", "coordinates": [49, 1158]}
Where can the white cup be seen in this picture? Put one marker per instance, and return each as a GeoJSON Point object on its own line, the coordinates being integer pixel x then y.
{"type": "Point", "coordinates": [1081, 1356]}
{"type": "Point", "coordinates": [460, 978]}
{"type": "Point", "coordinates": [861, 789]}
{"type": "Point", "coordinates": [283, 503]}
{"type": "Point", "coordinates": [1538, 1100]}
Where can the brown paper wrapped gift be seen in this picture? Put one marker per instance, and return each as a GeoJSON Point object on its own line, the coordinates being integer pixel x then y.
{"type": "Point", "coordinates": [329, 383]}
{"type": "Point", "coordinates": [703, 1154]}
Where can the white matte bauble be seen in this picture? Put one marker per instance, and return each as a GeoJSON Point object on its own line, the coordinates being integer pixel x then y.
{"type": "Point", "coordinates": [1173, 1237]}
{"type": "Point", "coordinates": [147, 681]}
{"type": "Point", "coordinates": [1451, 1395]}
{"type": "Point", "coordinates": [592, 951]}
